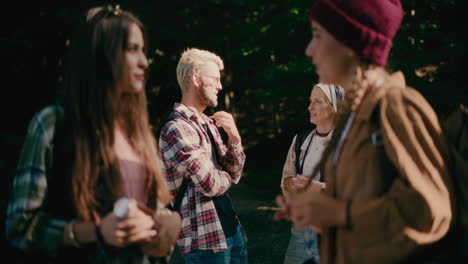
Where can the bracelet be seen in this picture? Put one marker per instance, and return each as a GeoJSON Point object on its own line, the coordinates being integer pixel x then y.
{"type": "Point", "coordinates": [72, 236]}
{"type": "Point", "coordinates": [348, 215]}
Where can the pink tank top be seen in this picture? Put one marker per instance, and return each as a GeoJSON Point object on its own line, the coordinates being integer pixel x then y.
{"type": "Point", "coordinates": [134, 179]}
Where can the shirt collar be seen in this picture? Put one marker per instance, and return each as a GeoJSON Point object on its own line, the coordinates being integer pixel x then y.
{"type": "Point", "coordinates": [191, 114]}
{"type": "Point", "coordinates": [321, 139]}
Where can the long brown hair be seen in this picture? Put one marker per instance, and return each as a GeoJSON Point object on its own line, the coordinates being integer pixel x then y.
{"type": "Point", "coordinates": [93, 106]}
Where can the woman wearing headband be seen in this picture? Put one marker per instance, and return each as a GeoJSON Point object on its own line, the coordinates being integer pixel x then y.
{"type": "Point", "coordinates": [303, 156]}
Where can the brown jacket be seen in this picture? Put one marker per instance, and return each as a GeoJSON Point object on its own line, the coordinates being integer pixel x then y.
{"type": "Point", "coordinates": [398, 185]}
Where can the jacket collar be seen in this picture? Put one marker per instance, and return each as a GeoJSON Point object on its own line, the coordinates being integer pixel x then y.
{"type": "Point", "coordinates": [368, 105]}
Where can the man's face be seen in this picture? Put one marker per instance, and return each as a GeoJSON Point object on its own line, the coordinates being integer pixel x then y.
{"type": "Point", "coordinates": [210, 84]}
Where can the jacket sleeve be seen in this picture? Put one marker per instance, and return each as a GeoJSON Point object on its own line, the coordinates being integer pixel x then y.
{"type": "Point", "coordinates": [182, 151]}
{"type": "Point", "coordinates": [418, 202]}
{"type": "Point", "coordinates": [28, 227]}
{"type": "Point", "coordinates": [289, 167]}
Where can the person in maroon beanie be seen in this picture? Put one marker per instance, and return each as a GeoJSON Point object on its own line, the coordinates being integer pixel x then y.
{"type": "Point", "coordinates": [389, 198]}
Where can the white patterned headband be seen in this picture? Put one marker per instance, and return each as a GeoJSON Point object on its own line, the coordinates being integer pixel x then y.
{"type": "Point", "coordinates": [334, 93]}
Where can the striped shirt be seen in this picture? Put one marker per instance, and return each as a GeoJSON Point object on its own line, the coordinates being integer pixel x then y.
{"type": "Point", "coordinates": [187, 153]}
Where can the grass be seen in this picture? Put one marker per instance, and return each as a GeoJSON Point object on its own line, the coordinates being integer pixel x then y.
{"type": "Point", "coordinates": [267, 239]}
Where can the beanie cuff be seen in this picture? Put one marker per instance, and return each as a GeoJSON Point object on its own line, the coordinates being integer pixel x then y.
{"type": "Point", "coordinates": [366, 42]}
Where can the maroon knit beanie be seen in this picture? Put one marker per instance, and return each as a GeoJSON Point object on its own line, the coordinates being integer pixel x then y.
{"type": "Point", "coordinates": [365, 26]}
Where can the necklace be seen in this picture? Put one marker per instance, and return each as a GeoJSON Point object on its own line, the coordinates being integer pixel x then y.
{"type": "Point", "coordinates": [322, 134]}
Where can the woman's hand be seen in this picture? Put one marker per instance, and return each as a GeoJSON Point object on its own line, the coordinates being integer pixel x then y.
{"type": "Point", "coordinates": [168, 225]}
{"type": "Point", "coordinates": [139, 225]}
{"type": "Point", "coordinates": [298, 182]}
{"type": "Point", "coordinates": [284, 212]}
{"type": "Point", "coordinates": [136, 227]}
{"type": "Point", "coordinates": [295, 183]}
{"type": "Point", "coordinates": [111, 234]}
{"type": "Point", "coordinates": [312, 208]}
{"type": "Point", "coordinates": [284, 209]}
{"type": "Point", "coordinates": [316, 186]}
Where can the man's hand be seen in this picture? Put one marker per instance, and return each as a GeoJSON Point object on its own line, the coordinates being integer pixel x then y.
{"type": "Point", "coordinates": [226, 121]}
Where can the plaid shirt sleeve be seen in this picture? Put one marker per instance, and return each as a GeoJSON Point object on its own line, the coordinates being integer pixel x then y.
{"type": "Point", "coordinates": [27, 227]}
{"type": "Point", "coordinates": [233, 156]}
{"type": "Point", "coordinates": [182, 150]}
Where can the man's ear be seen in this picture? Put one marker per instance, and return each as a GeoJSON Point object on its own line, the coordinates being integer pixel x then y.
{"type": "Point", "coordinates": [195, 80]}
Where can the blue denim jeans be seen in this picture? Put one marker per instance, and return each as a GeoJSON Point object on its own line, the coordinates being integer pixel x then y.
{"type": "Point", "coordinates": [303, 245]}
{"type": "Point", "coordinates": [236, 252]}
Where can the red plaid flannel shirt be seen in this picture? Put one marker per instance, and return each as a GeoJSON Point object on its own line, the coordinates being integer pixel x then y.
{"type": "Point", "coordinates": [186, 152]}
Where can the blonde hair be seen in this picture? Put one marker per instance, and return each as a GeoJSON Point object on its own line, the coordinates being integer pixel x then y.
{"type": "Point", "coordinates": [191, 61]}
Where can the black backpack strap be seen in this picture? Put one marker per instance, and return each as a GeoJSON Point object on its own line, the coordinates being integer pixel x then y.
{"type": "Point", "coordinates": [180, 195]}
{"type": "Point", "coordinates": [300, 137]}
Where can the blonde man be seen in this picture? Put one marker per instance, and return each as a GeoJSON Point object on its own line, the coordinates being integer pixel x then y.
{"type": "Point", "coordinates": [195, 156]}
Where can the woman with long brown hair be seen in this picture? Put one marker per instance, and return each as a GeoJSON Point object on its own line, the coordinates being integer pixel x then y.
{"type": "Point", "coordinates": [388, 197]}
{"type": "Point", "coordinates": [90, 149]}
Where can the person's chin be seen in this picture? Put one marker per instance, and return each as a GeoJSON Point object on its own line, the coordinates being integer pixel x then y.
{"type": "Point", "coordinates": [322, 79]}
{"type": "Point", "coordinates": [138, 89]}
{"type": "Point", "coordinates": [138, 86]}
{"type": "Point", "coordinates": [133, 89]}
{"type": "Point", "coordinates": [213, 101]}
